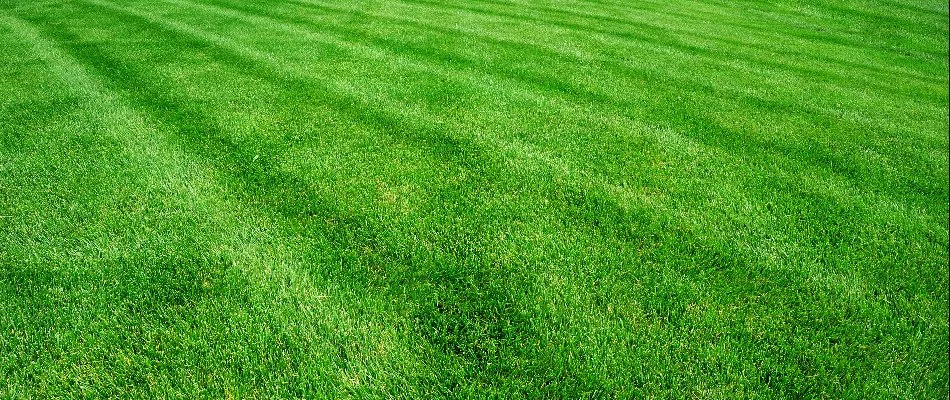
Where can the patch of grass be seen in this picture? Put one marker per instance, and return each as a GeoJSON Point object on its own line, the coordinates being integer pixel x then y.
{"type": "Point", "coordinates": [570, 199]}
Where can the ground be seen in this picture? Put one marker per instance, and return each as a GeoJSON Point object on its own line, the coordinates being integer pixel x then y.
{"type": "Point", "coordinates": [473, 199]}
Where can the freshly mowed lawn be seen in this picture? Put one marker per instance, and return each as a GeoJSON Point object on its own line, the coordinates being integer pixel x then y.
{"type": "Point", "coordinates": [461, 198]}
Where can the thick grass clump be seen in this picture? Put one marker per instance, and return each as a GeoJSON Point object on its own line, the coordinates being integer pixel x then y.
{"type": "Point", "coordinates": [473, 199]}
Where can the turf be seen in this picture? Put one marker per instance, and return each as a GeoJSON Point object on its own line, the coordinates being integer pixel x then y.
{"type": "Point", "coordinates": [473, 199]}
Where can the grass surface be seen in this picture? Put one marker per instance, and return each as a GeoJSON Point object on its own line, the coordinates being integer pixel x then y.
{"type": "Point", "coordinates": [459, 198]}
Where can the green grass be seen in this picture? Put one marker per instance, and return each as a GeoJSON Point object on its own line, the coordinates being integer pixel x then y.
{"type": "Point", "coordinates": [473, 199]}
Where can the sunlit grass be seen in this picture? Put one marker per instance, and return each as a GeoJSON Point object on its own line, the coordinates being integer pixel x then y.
{"type": "Point", "coordinates": [570, 199]}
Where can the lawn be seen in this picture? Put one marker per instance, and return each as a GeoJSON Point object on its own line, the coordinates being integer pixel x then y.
{"type": "Point", "coordinates": [474, 199]}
